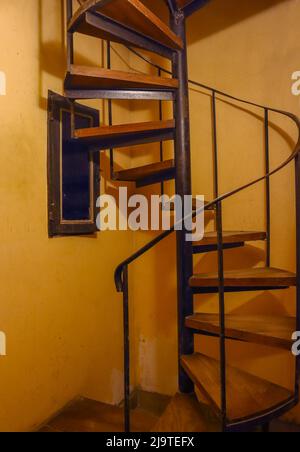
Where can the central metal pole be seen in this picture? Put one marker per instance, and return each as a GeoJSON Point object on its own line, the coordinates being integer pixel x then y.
{"type": "Point", "coordinates": [161, 144]}
{"type": "Point", "coordinates": [110, 113]}
{"type": "Point", "coordinates": [183, 187]}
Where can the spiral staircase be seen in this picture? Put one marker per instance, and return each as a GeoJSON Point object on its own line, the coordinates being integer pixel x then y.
{"type": "Point", "coordinates": [241, 400]}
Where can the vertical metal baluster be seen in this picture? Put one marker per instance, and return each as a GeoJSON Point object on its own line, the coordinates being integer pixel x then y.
{"type": "Point", "coordinates": [222, 315]}
{"type": "Point", "coordinates": [70, 59]}
{"type": "Point", "coordinates": [297, 178]}
{"type": "Point", "coordinates": [126, 350]}
{"type": "Point", "coordinates": [73, 120]}
{"type": "Point", "coordinates": [161, 144]}
{"type": "Point", "coordinates": [70, 36]}
{"type": "Point", "coordinates": [183, 187]}
{"type": "Point", "coordinates": [215, 146]}
{"type": "Point", "coordinates": [220, 269]}
{"type": "Point", "coordinates": [110, 115]}
{"type": "Point", "coordinates": [268, 189]}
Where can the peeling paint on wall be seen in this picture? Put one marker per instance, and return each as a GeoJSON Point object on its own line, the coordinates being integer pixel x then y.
{"type": "Point", "coordinates": [2, 84]}
{"type": "Point", "coordinates": [117, 385]}
{"type": "Point", "coordinates": [2, 344]}
{"type": "Point", "coordinates": [157, 366]}
{"type": "Point", "coordinates": [147, 363]}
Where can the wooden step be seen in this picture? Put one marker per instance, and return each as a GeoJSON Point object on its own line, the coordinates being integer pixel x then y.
{"type": "Point", "coordinates": [104, 28]}
{"type": "Point", "coordinates": [132, 14]}
{"type": "Point", "coordinates": [155, 172]}
{"type": "Point", "coordinates": [184, 414]}
{"type": "Point", "coordinates": [126, 134]}
{"type": "Point", "coordinates": [252, 277]}
{"type": "Point", "coordinates": [211, 238]}
{"type": "Point", "coordinates": [247, 395]}
{"type": "Point", "coordinates": [93, 78]}
{"type": "Point", "coordinates": [264, 330]}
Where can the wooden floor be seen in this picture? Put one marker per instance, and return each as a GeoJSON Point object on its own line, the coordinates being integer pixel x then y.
{"type": "Point", "coordinates": [88, 416]}
{"type": "Point", "coordinates": [247, 395]}
{"type": "Point", "coordinates": [258, 329]}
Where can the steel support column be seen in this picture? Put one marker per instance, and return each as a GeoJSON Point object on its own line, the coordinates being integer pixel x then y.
{"type": "Point", "coordinates": [183, 187]}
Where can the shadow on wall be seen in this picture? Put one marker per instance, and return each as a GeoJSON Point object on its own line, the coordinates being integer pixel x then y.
{"type": "Point", "coordinates": [52, 53]}
{"type": "Point", "coordinates": [218, 15]}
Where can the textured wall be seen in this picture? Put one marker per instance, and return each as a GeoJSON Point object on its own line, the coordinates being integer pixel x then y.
{"type": "Point", "coordinates": [59, 308]}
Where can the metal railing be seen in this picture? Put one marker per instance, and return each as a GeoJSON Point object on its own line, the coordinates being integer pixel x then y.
{"type": "Point", "coordinates": [122, 271]}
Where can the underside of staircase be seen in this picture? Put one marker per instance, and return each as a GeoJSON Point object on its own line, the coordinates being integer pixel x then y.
{"type": "Point", "coordinates": [240, 399]}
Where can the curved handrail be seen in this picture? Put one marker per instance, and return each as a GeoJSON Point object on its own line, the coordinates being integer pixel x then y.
{"type": "Point", "coordinates": [193, 82]}
{"type": "Point", "coordinates": [219, 199]}
{"type": "Point", "coordinates": [121, 273]}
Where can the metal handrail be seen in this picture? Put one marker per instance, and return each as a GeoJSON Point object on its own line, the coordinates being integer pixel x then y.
{"type": "Point", "coordinates": [121, 272]}
{"type": "Point", "coordinates": [219, 199]}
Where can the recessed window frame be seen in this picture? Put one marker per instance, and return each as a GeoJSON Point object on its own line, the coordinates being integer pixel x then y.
{"type": "Point", "coordinates": [57, 225]}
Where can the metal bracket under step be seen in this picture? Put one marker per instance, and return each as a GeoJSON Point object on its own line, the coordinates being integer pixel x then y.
{"type": "Point", "coordinates": [121, 94]}
{"type": "Point", "coordinates": [97, 25]}
{"type": "Point", "coordinates": [104, 143]}
{"type": "Point", "coordinates": [199, 249]}
{"type": "Point", "coordinates": [155, 179]}
{"type": "Point", "coordinates": [209, 290]}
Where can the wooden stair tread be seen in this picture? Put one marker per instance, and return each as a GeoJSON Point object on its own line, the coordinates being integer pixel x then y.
{"type": "Point", "coordinates": [93, 78]}
{"type": "Point", "coordinates": [247, 395]}
{"type": "Point", "coordinates": [142, 172]}
{"type": "Point", "coordinates": [184, 414]}
{"type": "Point", "coordinates": [211, 238]}
{"type": "Point", "coordinates": [252, 277]}
{"type": "Point", "coordinates": [124, 129]}
{"type": "Point", "coordinates": [134, 15]}
{"type": "Point", "coordinates": [265, 330]}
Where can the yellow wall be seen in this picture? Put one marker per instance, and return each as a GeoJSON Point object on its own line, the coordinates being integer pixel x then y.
{"type": "Point", "coordinates": [59, 308]}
